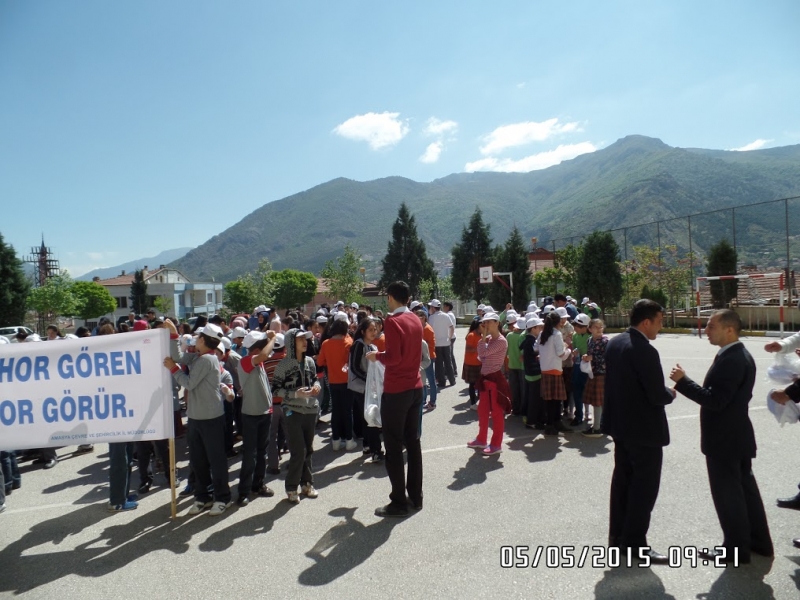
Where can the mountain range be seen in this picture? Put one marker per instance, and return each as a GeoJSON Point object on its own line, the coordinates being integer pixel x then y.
{"type": "Point", "coordinates": [633, 181]}
{"type": "Point", "coordinates": [153, 262]}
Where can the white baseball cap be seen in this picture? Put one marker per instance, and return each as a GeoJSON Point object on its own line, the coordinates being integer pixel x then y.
{"type": "Point", "coordinates": [260, 308]}
{"type": "Point", "coordinates": [521, 324]}
{"type": "Point", "coordinates": [435, 303]}
{"type": "Point", "coordinates": [562, 312]}
{"type": "Point", "coordinates": [548, 309]}
{"type": "Point", "coordinates": [582, 319]}
{"type": "Point", "coordinates": [585, 300]}
{"type": "Point", "coordinates": [490, 316]}
{"type": "Point", "coordinates": [341, 316]}
{"type": "Point", "coordinates": [481, 306]}
{"type": "Point", "coordinates": [354, 305]}
{"type": "Point", "coordinates": [414, 304]}
{"type": "Point", "coordinates": [280, 342]}
{"type": "Point", "coordinates": [301, 333]}
{"type": "Point", "coordinates": [226, 343]}
{"type": "Point", "coordinates": [534, 322]}
{"type": "Point", "coordinates": [253, 337]}
{"type": "Point", "coordinates": [237, 332]}
{"type": "Point", "coordinates": [212, 331]}
{"type": "Point", "coordinates": [321, 319]}
{"type": "Point", "coordinates": [511, 317]}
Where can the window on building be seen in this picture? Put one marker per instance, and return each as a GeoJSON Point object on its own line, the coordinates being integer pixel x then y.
{"type": "Point", "coordinates": [209, 297]}
{"type": "Point", "coordinates": [122, 301]}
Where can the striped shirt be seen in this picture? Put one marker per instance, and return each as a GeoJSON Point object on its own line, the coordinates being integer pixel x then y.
{"type": "Point", "coordinates": [492, 354]}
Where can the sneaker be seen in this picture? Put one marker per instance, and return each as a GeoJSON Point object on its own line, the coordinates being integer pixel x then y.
{"type": "Point", "coordinates": [2, 507]}
{"type": "Point", "coordinates": [218, 509]}
{"type": "Point", "coordinates": [350, 445]}
{"type": "Point", "coordinates": [473, 406]}
{"type": "Point", "coordinates": [84, 448]}
{"type": "Point", "coordinates": [377, 457]}
{"type": "Point", "coordinates": [293, 497]}
{"type": "Point", "coordinates": [475, 444]}
{"type": "Point", "coordinates": [592, 433]}
{"type": "Point", "coordinates": [308, 491]}
{"type": "Point", "coordinates": [242, 501]}
{"type": "Point", "coordinates": [490, 450]}
{"type": "Point", "coordinates": [575, 422]}
{"type": "Point", "coordinates": [366, 451]}
{"type": "Point", "coordinates": [145, 487]}
{"type": "Point", "coordinates": [336, 445]}
{"type": "Point", "coordinates": [123, 507]}
{"type": "Point", "coordinates": [187, 491]}
{"type": "Point", "coordinates": [264, 491]}
{"type": "Point", "coordinates": [199, 507]}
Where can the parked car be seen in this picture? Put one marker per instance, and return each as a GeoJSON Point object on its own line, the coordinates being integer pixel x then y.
{"type": "Point", "coordinates": [10, 332]}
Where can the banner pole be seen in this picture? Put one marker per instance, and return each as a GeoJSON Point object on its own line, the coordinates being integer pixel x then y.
{"type": "Point", "coordinates": [174, 502]}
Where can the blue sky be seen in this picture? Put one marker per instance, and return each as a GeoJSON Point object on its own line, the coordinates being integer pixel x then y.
{"type": "Point", "coordinates": [128, 128]}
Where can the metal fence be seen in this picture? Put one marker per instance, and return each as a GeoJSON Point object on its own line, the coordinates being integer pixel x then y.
{"type": "Point", "coordinates": [751, 229]}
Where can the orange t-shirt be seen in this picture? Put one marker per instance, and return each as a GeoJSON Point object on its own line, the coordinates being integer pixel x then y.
{"type": "Point", "coordinates": [471, 352]}
{"type": "Point", "coordinates": [335, 354]}
{"type": "Point", "coordinates": [430, 339]}
{"type": "Point", "coordinates": [380, 343]}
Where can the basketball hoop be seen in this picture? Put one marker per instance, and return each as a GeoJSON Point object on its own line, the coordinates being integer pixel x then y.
{"type": "Point", "coordinates": [485, 275]}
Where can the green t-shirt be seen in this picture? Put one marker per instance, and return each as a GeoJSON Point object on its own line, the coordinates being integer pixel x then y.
{"type": "Point", "coordinates": [580, 341]}
{"type": "Point", "coordinates": [514, 339]}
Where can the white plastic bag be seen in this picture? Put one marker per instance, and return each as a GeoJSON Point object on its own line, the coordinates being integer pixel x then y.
{"type": "Point", "coordinates": [784, 369]}
{"type": "Point", "coordinates": [372, 394]}
{"type": "Point", "coordinates": [586, 367]}
{"type": "Point", "coordinates": [783, 413]}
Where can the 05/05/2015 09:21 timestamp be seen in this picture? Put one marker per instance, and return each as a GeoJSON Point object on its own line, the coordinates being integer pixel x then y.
{"type": "Point", "coordinates": [602, 557]}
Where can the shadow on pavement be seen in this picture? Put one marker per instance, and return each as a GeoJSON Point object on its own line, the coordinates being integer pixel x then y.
{"type": "Point", "coordinates": [745, 581]}
{"type": "Point", "coordinates": [539, 449]}
{"type": "Point", "coordinates": [116, 547]}
{"type": "Point", "coordinates": [588, 447]}
{"type": "Point", "coordinates": [634, 583]}
{"type": "Point", "coordinates": [475, 471]}
{"type": "Point", "coordinates": [258, 523]}
{"type": "Point", "coordinates": [464, 416]}
{"type": "Point", "coordinates": [359, 467]}
{"type": "Point", "coordinates": [348, 544]}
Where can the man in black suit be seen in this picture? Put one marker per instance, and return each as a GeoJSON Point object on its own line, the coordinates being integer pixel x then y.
{"type": "Point", "coordinates": [634, 416]}
{"type": "Point", "coordinates": [727, 439]}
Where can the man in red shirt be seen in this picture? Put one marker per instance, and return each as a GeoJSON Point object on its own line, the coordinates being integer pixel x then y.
{"type": "Point", "coordinates": [401, 402]}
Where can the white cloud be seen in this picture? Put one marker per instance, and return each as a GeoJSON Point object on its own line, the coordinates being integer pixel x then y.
{"type": "Point", "coordinates": [519, 134]}
{"type": "Point", "coordinates": [379, 130]}
{"type": "Point", "coordinates": [432, 153]}
{"type": "Point", "coordinates": [534, 162]}
{"type": "Point", "coordinates": [756, 145]}
{"type": "Point", "coordinates": [437, 127]}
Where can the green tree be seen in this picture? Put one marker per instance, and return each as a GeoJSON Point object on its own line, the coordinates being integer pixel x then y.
{"type": "Point", "coordinates": [568, 260]}
{"type": "Point", "coordinates": [53, 299]}
{"type": "Point", "coordinates": [722, 260]}
{"type": "Point", "coordinates": [14, 287]}
{"type": "Point", "coordinates": [92, 300]}
{"type": "Point", "coordinates": [546, 280]}
{"type": "Point", "coordinates": [598, 274]}
{"type": "Point", "coordinates": [264, 284]}
{"type": "Point", "coordinates": [163, 304]}
{"type": "Point", "coordinates": [654, 294]}
{"type": "Point", "coordinates": [294, 288]}
{"type": "Point", "coordinates": [512, 258]}
{"type": "Point", "coordinates": [406, 256]}
{"type": "Point", "coordinates": [241, 295]}
{"type": "Point", "coordinates": [342, 276]}
{"type": "Point", "coordinates": [444, 289]}
{"type": "Point", "coordinates": [473, 252]}
{"type": "Point", "coordinates": [139, 303]}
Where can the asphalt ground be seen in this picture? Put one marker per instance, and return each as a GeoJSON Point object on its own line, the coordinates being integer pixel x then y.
{"type": "Point", "coordinates": [58, 541]}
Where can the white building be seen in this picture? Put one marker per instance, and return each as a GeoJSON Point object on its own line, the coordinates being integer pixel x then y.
{"type": "Point", "coordinates": [189, 299]}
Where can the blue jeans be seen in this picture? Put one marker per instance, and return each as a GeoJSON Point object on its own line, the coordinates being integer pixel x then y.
{"type": "Point", "coordinates": [579, 379]}
{"type": "Point", "coordinates": [120, 455]}
{"type": "Point", "coordinates": [8, 461]}
{"type": "Point", "coordinates": [431, 385]}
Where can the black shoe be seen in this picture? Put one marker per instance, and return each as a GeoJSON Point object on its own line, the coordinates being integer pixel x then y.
{"type": "Point", "coordinates": [793, 502]}
{"type": "Point", "coordinates": [274, 471]}
{"type": "Point", "coordinates": [16, 485]}
{"type": "Point", "coordinates": [392, 511]}
{"type": "Point", "coordinates": [713, 554]}
{"type": "Point", "coordinates": [242, 501]}
{"type": "Point", "coordinates": [656, 558]}
{"type": "Point", "coordinates": [796, 542]}
{"type": "Point", "coordinates": [550, 431]}
{"type": "Point", "coordinates": [264, 492]}
{"type": "Point", "coordinates": [575, 422]}
{"type": "Point", "coordinates": [145, 487]}
{"type": "Point", "coordinates": [187, 491]}
{"type": "Point", "coordinates": [231, 453]}
{"type": "Point", "coordinates": [415, 504]}
{"type": "Point", "coordinates": [50, 463]}
{"type": "Point", "coordinates": [563, 428]}
{"type": "Point", "coordinates": [766, 552]}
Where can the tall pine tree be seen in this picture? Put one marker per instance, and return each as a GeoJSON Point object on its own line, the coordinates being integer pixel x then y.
{"type": "Point", "coordinates": [512, 257]}
{"type": "Point", "coordinates": [139, 293]}
{"type": "Point", "coordinates": [473, 252]}
{"type": "Point", "coordinates": [406, 256]}
{"type": "Point", "coordinates": [598, 271]}
{"type": "Point", "coordinates": [14, 287]}
{"type": "Point", "coordinates": [722, 260]}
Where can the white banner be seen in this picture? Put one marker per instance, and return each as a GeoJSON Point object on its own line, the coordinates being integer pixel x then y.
{"type": "Point", "coordinates": [108, 388]}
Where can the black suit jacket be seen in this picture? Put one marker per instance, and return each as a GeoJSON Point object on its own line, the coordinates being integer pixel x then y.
{"type": "Point", "coordinates": [635, 394]}
{"type": "Point", "coordinates": [724, 397]}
